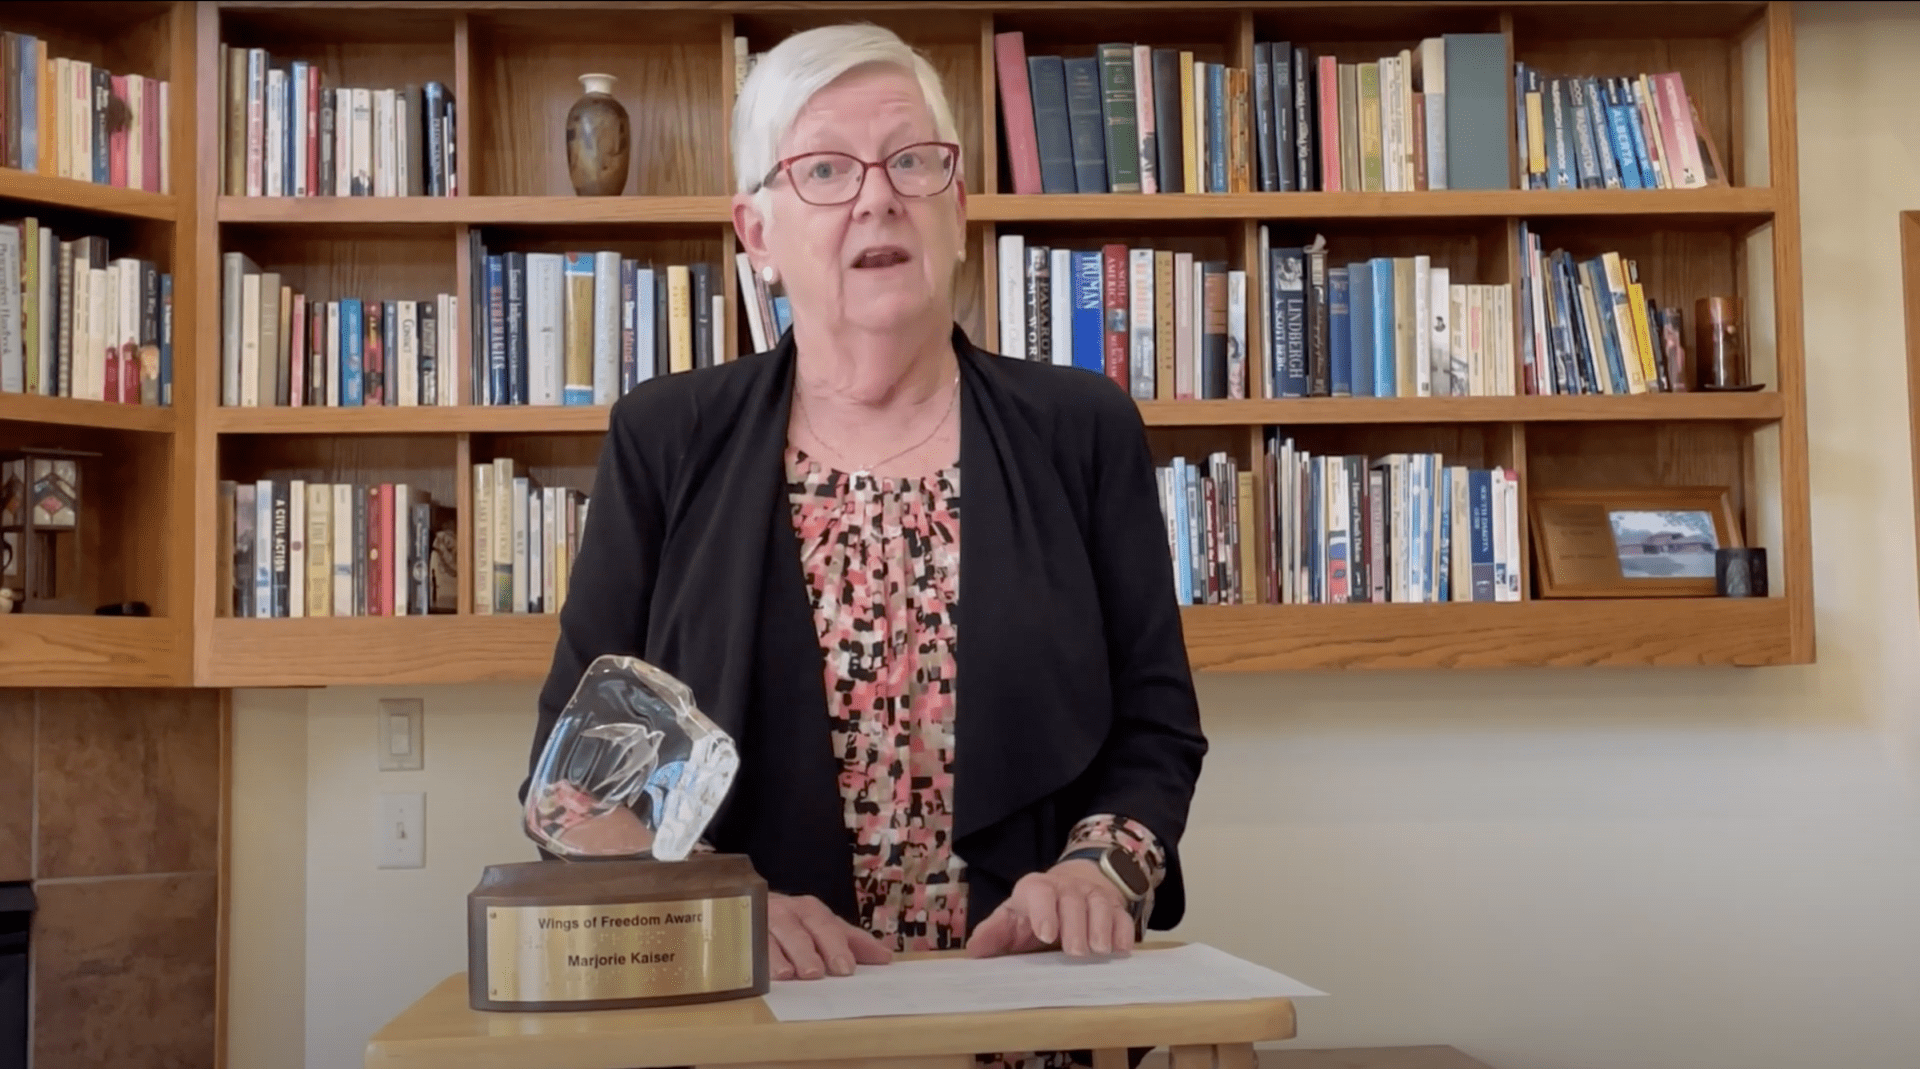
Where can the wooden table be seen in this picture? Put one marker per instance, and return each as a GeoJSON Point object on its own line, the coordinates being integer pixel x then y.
{"type": "Point", "coordinates": [441, 1032]}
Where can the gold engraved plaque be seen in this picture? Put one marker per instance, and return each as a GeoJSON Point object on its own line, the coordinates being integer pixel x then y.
{"type": "Point", "coordinates": [591, 953]}
{"type": "Point", "coordinates": [555, 935]}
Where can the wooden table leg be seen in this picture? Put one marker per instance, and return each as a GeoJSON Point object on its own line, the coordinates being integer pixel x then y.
{"type": "Point", "coordinates": [1235, 1056]}
{"type": "Point", "coordinates": [1110, 1059]}
{"type": "Point", "coordinates": [1196, 1057]}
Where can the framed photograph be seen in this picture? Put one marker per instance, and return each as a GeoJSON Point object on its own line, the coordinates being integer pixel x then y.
{"type": "Point", "coordinates": [1631, 541]}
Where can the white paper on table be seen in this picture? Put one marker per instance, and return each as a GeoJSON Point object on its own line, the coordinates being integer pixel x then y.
{"type": "Point", "coordinates": [1191, 973]}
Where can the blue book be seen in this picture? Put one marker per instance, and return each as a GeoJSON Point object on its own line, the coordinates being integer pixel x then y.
{"type": "Point", "coordinates": [1088, 293]}
{"type": "Point", "coordinates": [1480, 512]}
{"type": "Point", "coordinates": [353, 333]}
{"type": "Point", "coordinates": [1177, 490]}
{"type": "Point", "coordinates": [28, 106]}
{"type": "Point", "coordinates": [1443, 589]}
{"type": "Point", "coordinates": [1630, 108]}
{"type": "Point", "coordinates": [498, 392]}
{"type": "Point", "coordinates": [1360, 326]}
{"type": "Point", "coordinates": [1623, 144]}
{"type": "Point", "coordinates": [1386, 379]}
{"type": "Point", "coordinates": [1339, 333]}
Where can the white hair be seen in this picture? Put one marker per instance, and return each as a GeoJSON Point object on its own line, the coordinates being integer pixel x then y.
{"type": "Point", "coordinates": [787, 77]}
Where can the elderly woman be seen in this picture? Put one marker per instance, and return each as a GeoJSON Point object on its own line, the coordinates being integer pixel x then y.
{"type": "Point", "coordinates": [988, 741]}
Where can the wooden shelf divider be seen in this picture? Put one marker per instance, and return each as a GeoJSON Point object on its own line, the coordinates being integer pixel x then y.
{"type": "Point", "coordinates": [1753, 205]}
{"type": "Point", "coordinates": [73, 412]}
{"type": "Point", "coordinates": [94, 197]}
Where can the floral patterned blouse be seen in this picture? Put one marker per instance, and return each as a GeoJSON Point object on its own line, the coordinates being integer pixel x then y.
{"type": "Point", "coordinates": [882, 560]}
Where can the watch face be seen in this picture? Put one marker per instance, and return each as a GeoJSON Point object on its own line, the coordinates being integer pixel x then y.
{"type": "Point", "coordinates": [1128, 871]}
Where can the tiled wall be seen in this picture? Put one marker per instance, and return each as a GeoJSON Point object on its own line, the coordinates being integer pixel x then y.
{"type": "Point", "coordinates": [109, 802]}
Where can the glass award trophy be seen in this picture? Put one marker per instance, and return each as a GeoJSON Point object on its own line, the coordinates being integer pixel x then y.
{"type": "Point", "coordinates": [629, 910]}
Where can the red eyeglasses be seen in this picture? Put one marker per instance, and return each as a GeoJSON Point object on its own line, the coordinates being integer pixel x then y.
{"type": "Point", "coordinates": [924, 169]}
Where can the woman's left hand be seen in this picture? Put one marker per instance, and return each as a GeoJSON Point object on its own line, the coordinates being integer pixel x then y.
{"type": "Point", "coordinates": [1072, 906]}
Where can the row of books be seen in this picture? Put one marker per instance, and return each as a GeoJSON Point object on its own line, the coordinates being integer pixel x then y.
{"type": "Point", "coordinates": [281, 348]}
{"type": "Point", "coordinates": [1161, 323]}
{"type": "Point", "coordinates": [1621, 132]}
{"type": "Point", "coordinates": [76, 321]}
{"type": "Point", "coordinates": [71, 118]}
{"type": "Point", "coordinates": [1133, 118]}
{"type": "Point", "coordinates": [1300, 528]}
{"type": "Point", "coordinates": [1171, 325]}
{"type": "Point", "coordinates": [525, 537]}
{"type": "Point", "coordinates": [292, 548]}
{"type": "Point", "coordinates": [1399, 527]}
{"type": "Point", "coordinates": [1386, 326]}
{"type": "Point", "coordinates": [584, 327]}
{"type": "Point", "coordinates": [285, 131]}
{"type": "Point", "coordinates": [1589, 326]}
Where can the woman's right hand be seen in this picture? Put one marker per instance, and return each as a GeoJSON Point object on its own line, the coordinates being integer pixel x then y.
{"type": "Point", "coordinates": [806, 940]}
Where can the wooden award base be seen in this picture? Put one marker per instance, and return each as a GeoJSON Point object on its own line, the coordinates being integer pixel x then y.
{"type": "Point", "coordinates": [593, 935]}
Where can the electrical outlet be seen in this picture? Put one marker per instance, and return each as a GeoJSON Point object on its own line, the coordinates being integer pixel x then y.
{"type": "Point", "coordinates": [401, 830]}
{"type": "Point", "coordinates": [402, 735]}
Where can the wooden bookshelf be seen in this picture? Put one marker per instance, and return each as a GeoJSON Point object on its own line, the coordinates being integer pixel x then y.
{"type": "Point", "coordinates": [135, 539]}
{"type": "Point", "coordinates": [512, 66]}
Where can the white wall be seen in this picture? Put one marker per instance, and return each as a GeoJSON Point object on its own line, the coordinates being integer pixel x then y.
{"type": "Point", "coordinates": [1550, 870]}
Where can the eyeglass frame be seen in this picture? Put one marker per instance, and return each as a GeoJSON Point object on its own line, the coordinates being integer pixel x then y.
{"type": "Point", "coordinates": [782, 167]}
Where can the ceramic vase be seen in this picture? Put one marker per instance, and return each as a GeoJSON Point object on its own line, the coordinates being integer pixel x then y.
{"type": "Point", "coordinates": [599, 140]}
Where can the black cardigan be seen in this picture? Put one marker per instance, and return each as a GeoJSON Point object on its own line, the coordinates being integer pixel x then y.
{"type": "Point", "coordinates": [1074, 694]}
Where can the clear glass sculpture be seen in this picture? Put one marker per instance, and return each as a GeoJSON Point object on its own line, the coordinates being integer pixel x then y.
{"type": "Point", "coordinates": [633, 769]}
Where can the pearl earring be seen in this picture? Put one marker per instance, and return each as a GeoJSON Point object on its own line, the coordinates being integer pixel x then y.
{"type": "Point", "coordinates": [767, 273]}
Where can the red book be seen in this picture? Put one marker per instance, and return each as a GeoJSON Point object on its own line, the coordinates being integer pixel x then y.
{"type": "Point", "coordinates": [110, 356]}
{"type": "Point", "coordinates": [150, 120]}
{"type": "Point", "coordinates": [118, 115]}
{"type": "Point", "coordinates": [1113, 311]}
{"type": "Point", "coordinates": [1016, 111]}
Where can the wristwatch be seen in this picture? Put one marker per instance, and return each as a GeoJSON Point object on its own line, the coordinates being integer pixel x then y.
{"type": "Point", "coordinates": [1120, 866]}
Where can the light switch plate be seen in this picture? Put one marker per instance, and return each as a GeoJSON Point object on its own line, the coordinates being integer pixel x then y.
{"type": "Point", "coordinates": [401, 830]}
{"type": "Point", "coordinates": [402, 735]}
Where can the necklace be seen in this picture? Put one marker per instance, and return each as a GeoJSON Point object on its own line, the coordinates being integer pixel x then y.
{"type": "Point", "coordinates": [866, 471]}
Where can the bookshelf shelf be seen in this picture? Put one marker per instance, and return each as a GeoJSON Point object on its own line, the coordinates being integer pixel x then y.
{"type": "Point", "coordinates": [356, 651]}
{"type": "Point", "coordinates": [1732, 206]}
{"type": "Point", "coordinates": [91, 651]}
{"type": "Point", "coordinates": [72, 412]}
{"type": "Point", "coordinates": [71, 193]}
{"type": "Point", "coordinates": [1756, 408]}
{"type": "Point", "coordinates": [1728, 205]}
{"type": "Point", "coordinates": [1561, 634]}
{"type": "Point", "coordinates": [474, 211]}
{"type": "Point", "coordinates": [453, 419]}
{"type": "Point", "coordinates": [1251, 638]}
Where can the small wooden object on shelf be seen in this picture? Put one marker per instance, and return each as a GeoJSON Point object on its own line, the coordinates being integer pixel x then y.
{"type": "Point", "coordinates": [40, 532]}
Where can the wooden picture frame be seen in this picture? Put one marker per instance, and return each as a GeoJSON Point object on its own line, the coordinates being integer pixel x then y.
{"type": "Point", "coordinates": [1577, 536]}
